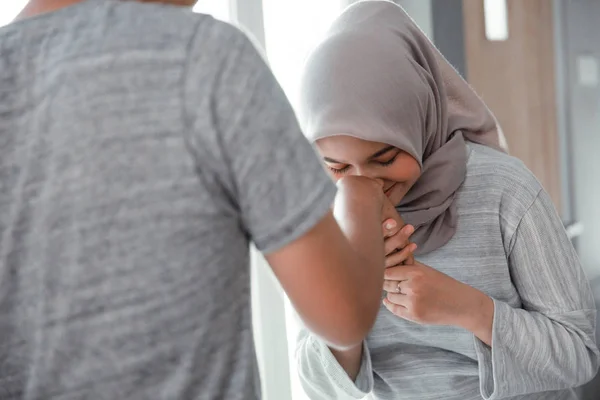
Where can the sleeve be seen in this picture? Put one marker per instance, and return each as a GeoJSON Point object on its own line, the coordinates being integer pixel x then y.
{"type": "Point", "coordinates": [323, 378]}
{"type": "Point", "coordinates": [549, 344]}
{"type": "Point", "coordinates": [245, 133]}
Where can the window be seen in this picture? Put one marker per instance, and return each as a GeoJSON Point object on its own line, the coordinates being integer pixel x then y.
{"type": "Point", "coordinates": [267, 298]}
{"type": "Point", "coordinates": [10, 9]}
{"type": "Point", "coordinates": [292, 29]}
{"type": "Point", "coordinates": [220, 9]}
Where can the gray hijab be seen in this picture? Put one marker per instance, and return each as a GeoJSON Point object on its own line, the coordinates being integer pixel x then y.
{"type": "Point", "coordinates": [377, 77]}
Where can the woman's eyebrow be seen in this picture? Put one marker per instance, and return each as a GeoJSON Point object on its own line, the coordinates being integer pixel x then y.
{"type": "Point", "coordinates": [382, 151]}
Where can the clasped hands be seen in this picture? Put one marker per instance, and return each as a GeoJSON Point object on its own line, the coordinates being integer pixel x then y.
{"type": "Point", "coordinates": [424, 295]}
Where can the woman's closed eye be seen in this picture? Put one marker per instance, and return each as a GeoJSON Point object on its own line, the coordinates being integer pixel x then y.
{"type": "Point", "coordinates": [341, 169]}
{"type": "Point", "coordinates": [338, 170]}
{"type": "Point", "coordinates": [388, 162]}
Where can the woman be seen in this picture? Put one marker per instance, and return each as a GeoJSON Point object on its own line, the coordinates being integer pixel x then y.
{"type": "Point", "coordinates": [496, 305]}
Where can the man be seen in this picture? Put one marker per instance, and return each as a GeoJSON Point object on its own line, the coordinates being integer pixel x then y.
{"type": "Point", "coordinates": [141, 148]}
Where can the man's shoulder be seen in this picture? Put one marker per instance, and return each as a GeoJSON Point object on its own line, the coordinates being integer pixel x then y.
{"type": "Point", "coordinates": [204, 41]}
{"type": "Point", "coordinates": [169, 25]}
{"type": "Point", "coordinates": [171, 22]}
{"type": "Point", "coordinates": [127, 25]}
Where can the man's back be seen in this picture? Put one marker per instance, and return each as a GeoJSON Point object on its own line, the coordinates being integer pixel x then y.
{"type": "Point", "coordinates": [124, 225]}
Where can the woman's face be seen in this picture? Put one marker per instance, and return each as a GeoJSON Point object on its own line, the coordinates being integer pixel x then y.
{"type": "Point", "coordinates": [347, 155]}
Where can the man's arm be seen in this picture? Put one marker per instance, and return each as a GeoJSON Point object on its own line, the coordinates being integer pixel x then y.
{"type": "Point", "coordinates": [333, 275]}
{"type": "Point", "coordinates": [247, 141]}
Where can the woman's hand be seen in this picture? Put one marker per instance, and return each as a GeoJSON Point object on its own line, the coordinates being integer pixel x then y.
{"type": "Point", "coordinates": [396, 234]}
{"type": "Point", "coordinates": [424, 295]}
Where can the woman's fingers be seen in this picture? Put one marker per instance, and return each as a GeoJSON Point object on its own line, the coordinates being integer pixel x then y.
{"type": "Point", "coordinates": [400, 273]}
{"type": "Point", "coordinates": [390, 228]}
{"type": "Point", "coordinates": [393, 287]}
{"type": "Point", "coordinates": [392, 221]}
{"type": "Point", "coordinates": [399, 240]}
{"type": "Point", "coordinates": [397, 309]}
{"type": "Point", "coordinates": [401, 257]}
{"type": "Point", "coordinates": [398, 299]}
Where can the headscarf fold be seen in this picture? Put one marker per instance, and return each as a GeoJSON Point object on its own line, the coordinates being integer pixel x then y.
{"type": "Point", "coordinates": [377, 77]}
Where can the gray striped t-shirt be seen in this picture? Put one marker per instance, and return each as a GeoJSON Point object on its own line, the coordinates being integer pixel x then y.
{"type": "Point", "coordinates": [141, 148]}
{"type": "Point", "coordinates": [510, 244]}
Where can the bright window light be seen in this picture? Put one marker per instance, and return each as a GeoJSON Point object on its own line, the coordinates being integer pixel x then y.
{"type": "Point", "coordinates": [292, 29]}
{"type": "Point", "coordinates": [220, 9]}
{"type": "Point", "coordinates": [496, 20]}
{"type": "Point", "coordinates": [9, 9]}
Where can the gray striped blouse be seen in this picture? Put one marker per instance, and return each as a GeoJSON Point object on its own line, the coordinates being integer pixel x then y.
{"type": "Point", "coordinates": [510, 244]}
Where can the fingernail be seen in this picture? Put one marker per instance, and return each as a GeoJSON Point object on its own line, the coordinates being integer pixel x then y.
{"type": "Point", "coordinates": [409, 229]}
{"type": "Point", "coordinates": [390, 224]}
